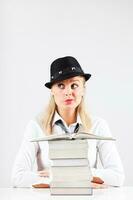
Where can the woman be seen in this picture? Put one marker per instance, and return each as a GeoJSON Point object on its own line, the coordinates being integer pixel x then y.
{"type": "Point", "coordinates": [66, 113]}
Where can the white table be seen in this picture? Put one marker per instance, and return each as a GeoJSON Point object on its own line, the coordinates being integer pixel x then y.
{"type": "Point", "coordinates": [122, 193]}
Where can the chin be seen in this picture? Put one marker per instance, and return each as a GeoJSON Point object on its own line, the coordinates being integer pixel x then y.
{"type": "Point", "coordinates": [70, 107]}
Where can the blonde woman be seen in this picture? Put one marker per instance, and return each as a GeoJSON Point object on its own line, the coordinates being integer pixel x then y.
{"type": "Point", "coordinates": [66, 113]}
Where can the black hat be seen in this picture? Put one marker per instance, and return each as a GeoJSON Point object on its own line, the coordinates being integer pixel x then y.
{"type": "Point", "coordinates": [64, 68]}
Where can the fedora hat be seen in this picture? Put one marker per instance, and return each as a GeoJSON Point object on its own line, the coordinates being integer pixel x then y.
{"type": "Point", "coordinates": [64, 68]}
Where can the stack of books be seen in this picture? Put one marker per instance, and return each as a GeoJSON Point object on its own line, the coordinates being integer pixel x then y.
{"type": "Point", "coordinates": [70, 170]}
{"type": "Point", "coordinates": [71, 174]}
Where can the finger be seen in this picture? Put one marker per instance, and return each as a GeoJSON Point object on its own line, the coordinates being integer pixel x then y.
{"type": "Point", "coordinates": [98, 186]}
{"type": "Point", "coordinates": [97, 180]}
{"type": "Point", "coordinates": [41, 185]}
{"type": "Point", "coordinates": [43, 173]}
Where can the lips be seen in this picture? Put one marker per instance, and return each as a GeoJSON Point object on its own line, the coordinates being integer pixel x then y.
{"type": "Point", "coordinates": [68, 100]}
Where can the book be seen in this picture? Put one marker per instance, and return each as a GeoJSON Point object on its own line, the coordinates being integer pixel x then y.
{"type": "Point", "coordinates": [69, 162]}
{"type": "Point", "coordinates": [73, 136]}
{"type": "Point", "coordinates": [70, 170]}
{"type": "Point", "coordinates": [73, 173]}
{"type": "Point", "coordinates": [68, 149]}
{"type": "Point", "coordinates": [61, 144]}
{"type": "Point", "coordinates": [71, 183]}
{"type": "Point", "coordinates": [71, 191]}
{"type": "Point", "coordinates": [68, 153]}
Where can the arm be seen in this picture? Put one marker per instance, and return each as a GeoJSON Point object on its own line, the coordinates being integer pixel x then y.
{"type": "Point", "coordinates": [112, 172]}
{"type": "Point", "coordinates": [22, 173]}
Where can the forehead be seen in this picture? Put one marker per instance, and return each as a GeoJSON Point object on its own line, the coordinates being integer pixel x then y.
{"type": "Point", "coordinates": [73, 79]}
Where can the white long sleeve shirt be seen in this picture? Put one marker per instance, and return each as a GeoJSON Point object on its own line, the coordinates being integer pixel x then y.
{"type": "Point", "coordinates": [33, 156]}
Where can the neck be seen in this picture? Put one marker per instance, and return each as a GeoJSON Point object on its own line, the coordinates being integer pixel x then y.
{"type": "Point", "coordinates": [69, 116]}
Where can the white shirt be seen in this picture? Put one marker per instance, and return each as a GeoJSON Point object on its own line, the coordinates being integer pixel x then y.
{"type": "Point", "coordinates": [33, 156]}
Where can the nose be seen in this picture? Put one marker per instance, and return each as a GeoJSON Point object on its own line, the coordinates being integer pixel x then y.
{"type": "Point", "coordinates": [68, 91]}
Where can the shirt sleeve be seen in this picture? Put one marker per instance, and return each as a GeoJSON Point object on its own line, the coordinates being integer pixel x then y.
{"type": "Point", "coordinates": [112, 172]}
{"type": "Point", "coordinates": [22, 173]}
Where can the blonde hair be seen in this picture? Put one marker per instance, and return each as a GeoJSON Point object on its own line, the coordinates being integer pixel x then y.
{"type": "Point", "coordinates": [48, 115]}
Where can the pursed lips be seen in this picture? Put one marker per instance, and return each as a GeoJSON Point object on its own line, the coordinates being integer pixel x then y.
{"type": "Point", "coordinates": [68, 100]}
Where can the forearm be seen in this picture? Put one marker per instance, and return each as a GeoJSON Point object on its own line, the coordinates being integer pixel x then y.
{"type": "Point", "coordinates": [27, 179]}
{"type": "Point", "coordinates": [109, 176]}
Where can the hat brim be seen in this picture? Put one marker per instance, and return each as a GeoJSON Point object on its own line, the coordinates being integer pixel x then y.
{"type": "Point", "coordinates": [67, 76]}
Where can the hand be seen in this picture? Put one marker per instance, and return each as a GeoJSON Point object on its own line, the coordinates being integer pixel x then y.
{"type": "Point", "coordinates": [98, 186]}
{"type": "Point", "coordinates": [41, 185]}
{"type": "Point", "coordinates": [97, 180]}
{"type": "Point", "coordinates": [43, 173]}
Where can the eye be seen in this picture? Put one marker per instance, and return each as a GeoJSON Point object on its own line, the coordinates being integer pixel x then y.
{"type": "Point", "coordinates": [61, 85]}
{"type": "Point", "coordinates": [74, 86]}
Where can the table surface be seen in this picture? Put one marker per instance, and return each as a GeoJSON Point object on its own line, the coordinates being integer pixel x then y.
{"type": "Point", "coordinates": [119, 193]}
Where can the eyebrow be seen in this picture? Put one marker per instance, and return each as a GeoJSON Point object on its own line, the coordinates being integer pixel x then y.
{"type": "Point", "coordinates": [70, 81]}
{"type": "Point", "coordinates": [75, 80]}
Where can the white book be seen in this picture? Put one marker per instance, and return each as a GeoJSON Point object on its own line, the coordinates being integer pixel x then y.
{"type": "Point", "coordinates": [71, 191]}
{"type": "Point", "coordinates": [73, 136]}
{"type": "Point", "coordinates": [68, 149]}
{"type": "Point", "coordinates": [80, 177]}
{"type": "Point", "coordinates": [71, 173]}
{"type": "Point", "coordinates": [71, 183]}
{"type": "Point", "coordinates": [68, 153]}
{"type": "Point", "coordinates": [70, 162]}
{"type": "Point", "coordinates": [67, 144]}
{"type": "Point", "coordinates": [71, 170]}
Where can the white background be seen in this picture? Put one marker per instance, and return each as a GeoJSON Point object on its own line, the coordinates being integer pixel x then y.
{"type": "Point", "coordinates": [99, 33]}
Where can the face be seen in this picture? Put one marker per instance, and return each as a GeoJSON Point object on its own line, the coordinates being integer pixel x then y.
{"type": "Point", "coordinates": [68, 93]}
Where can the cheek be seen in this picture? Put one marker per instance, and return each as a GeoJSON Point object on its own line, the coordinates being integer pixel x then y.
{"type": "Point", "coordinates": [78, 93]}
{"type": "Point", "coordinates": [57, 97]}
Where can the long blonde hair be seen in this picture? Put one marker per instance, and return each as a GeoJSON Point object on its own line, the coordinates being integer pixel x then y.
{"type": "Point", "coordinates": [48, 115]}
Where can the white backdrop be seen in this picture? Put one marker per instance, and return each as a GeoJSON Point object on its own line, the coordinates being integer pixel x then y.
{"type": "Point", "coordinates": [35, 32]}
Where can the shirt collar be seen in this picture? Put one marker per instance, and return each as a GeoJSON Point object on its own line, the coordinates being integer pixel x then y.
{"type": "Point", "coordinates": [58, 117]}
